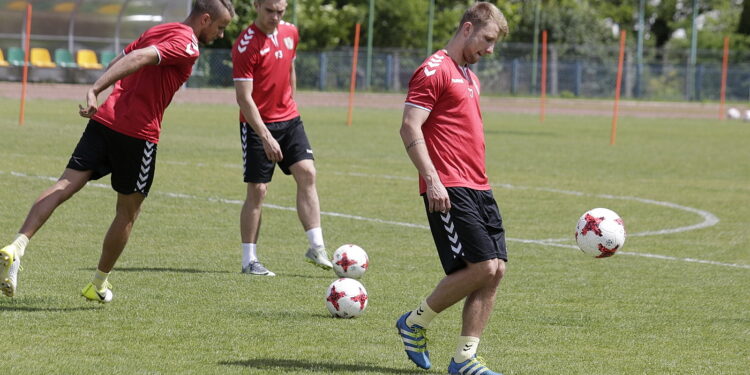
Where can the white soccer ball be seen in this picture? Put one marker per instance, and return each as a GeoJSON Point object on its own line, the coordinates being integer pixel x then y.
{"type": "Point", "coordinates": [734, 113]}
{"type": "Point", "coordinates": [600, 232]}
{"type": "Point", "coordinates": [746, 117]}
{"type": "Point", "coordinates": [346, 298]}
{"type": "Point", "coordinates": [350, 261]}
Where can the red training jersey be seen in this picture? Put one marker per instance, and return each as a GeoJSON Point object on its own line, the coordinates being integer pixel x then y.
{"type": "Point", "coordinates": [453, 131]}
{"type": "Point", "coordinates": [266, 59]}
{"type": "Point", "coordinates": [137, 103]}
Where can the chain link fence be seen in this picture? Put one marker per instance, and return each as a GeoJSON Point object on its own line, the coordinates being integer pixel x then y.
{"type": "Point", "coordinates": [571, 72]}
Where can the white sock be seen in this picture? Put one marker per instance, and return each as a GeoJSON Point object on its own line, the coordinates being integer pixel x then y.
{"type": "Point", "coordinates": [421, 316]}
{"type": "Point", "coordinates": [467, 348]}
{"type": "Point", "coordinates": [99, 279]}
{"type": "Point", "coordinates": [248, 254]}
{"type": "Point", "coordinates": [20, 242]}
{"type": "Point", "coordinates": [315, 237]}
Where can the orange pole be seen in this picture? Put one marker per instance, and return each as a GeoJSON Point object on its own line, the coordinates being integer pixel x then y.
{"type": "Point", "coordinates": [544, 75]}
{"type": "Point", "coordinates": [618, 86]}
{"type": "Point", "coordinates": [724, 64]}
{"type": "Point", "coordinates": [25, 63]}
{"type": "Point", "coordinates": [353, 83]}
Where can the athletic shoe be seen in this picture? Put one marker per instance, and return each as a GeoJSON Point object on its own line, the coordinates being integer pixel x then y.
{"type": "Point", "coordinates": [318, 257]}
{"type": "Point", "coordinates": [415, 342]}
{"type": "Point", "coordinates": [103, 296]}
{"type": "Point", "coordinates": [9, 265]}
{"type": "Point", "coordinates": [474, 366]}
{"type": "Point", "coordinates": [257, 268]}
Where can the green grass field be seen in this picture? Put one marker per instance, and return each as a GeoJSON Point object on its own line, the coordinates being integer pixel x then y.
{"type": "Point", "coordinates": [674, 302]}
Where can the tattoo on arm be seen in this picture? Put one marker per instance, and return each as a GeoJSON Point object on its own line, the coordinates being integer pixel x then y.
{"type": "Point", "coordinates": [415, 142]}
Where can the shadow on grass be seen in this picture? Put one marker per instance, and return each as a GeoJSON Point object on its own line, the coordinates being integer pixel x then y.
{"type": "Point", "coordinates": [158, 269]}
{"type": "Point", "coordinates": [328, 275]}
{"type": "Point", "coordinates": [310, 366]}
{"type": "Point", "coordinates": [45, 309]}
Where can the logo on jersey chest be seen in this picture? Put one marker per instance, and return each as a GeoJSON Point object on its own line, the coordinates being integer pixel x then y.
{"type": "Point", "coordinates": [289, 43]}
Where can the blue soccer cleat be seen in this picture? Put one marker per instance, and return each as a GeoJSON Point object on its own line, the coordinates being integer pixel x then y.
{"type": "Point", "coordinates": [473, 366]}
{"type": "Point", "coordinates": [415, 342]}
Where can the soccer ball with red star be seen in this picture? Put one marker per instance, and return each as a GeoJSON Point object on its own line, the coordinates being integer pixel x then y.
{"type": "Point", "coordinates": [346, 298]}
{"type": "Point", "coordinates": [350, 261]}
{"type": "Point", "coordinates": [600, 232]}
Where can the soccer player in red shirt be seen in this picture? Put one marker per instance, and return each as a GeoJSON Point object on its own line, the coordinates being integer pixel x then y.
{"type": "Point", "coordinates": [271, 130]}
{"type": "Point", "coordinates": [443, 134]}
{"type": "Point", "coordinates": [122, 135]}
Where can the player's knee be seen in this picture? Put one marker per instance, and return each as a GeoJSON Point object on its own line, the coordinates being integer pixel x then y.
{"type": "Point", "coordinates": [486, 270]}
{"type": "Point", "coordinates": [500, 272]}
{"type": "Point", "coordinates": [256, 192]}
{"type": "Point", "coordinates": [305, 173]}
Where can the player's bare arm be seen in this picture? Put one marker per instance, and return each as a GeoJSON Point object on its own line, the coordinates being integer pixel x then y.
{"type": "Point", "coordinates": [115, 60]}
{"type": "Point", "coordinates": [413, 138]}
{"type": "Point", "coordinates": [244, 92]}
{"type": "Point", "coordinates": [118, 70]}
{"type": "Point", "coordinates": [293, 80]}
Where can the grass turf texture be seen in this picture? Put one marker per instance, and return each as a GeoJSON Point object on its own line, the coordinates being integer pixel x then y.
{"type": "Point", "coordinates": [182, 306]}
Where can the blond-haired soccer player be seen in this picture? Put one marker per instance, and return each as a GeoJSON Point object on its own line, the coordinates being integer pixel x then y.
{"type": "Point", "coordinates": [271, 130]}
{"type": "Point", "coordinates": [122, 135]}
{"type": "Point", "coordinates": [442, 131]}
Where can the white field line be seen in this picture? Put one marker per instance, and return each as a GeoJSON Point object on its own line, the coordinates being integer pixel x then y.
{"type": "Point", "coordinates": [410, 225]}
{"type": "Point", "coordinates": [709, 219]}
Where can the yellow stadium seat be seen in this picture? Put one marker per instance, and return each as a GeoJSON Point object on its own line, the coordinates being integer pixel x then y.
{"type": "Point", "coordinates": [40, 57]}
{"type": "Point", "coordinates": [2, 59]}
{"type": "Point", "coordinates": [86, 58]}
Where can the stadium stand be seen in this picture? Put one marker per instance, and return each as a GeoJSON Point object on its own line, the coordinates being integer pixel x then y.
{"type": "Point", "coordinates": [2, 59]}
{"type": "Point", "coordinates": [64, 58]}
{"type": "Point", "coordinates": [15, 56]}
{"type": "Point", "coordinates": [41, 58]}
{"type": "Point", "coordinates": [86, 59]}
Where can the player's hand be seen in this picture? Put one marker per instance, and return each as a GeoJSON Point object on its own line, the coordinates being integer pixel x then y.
{"type": "Point", "coordinates": [437, 197]}
{"type": "Point", "coordinates": [273, 150]}
{"type": "Point", "coordinates": [91, 105]}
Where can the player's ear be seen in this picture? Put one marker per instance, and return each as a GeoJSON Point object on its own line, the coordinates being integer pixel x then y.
{"type": "Point", "coordinates": [206, 19]}
{"type": "Point", "coordinates": [468, 28]}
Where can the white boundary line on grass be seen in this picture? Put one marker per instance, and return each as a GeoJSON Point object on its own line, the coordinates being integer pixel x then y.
{"type": "Point", "coordinates": [551, 242]}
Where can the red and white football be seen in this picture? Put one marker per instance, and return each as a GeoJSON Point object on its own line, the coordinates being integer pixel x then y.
{"type": "Point", "coordinates": [600, 232]}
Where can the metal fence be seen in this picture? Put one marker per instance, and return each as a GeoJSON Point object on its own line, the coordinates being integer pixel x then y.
{"type": "Point", "coordinates": [573, 71]}
{"type": "Point", "coordinates": [510, 72]}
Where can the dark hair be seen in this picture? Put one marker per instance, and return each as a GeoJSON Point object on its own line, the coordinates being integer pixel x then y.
{"type": "Point", "coordinates": [212, 7]}
{"type": "Point", "coordinates": [482, 13]}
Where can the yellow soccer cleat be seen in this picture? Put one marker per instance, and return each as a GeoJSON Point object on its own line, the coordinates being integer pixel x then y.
{"type": "Point", "coordinates": [9, 265]}
{"type": "Point", "coordinates": [102, 296]}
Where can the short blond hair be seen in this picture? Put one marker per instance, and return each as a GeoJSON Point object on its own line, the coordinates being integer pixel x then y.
{"type": "Point", "coordinates": [482, 13]}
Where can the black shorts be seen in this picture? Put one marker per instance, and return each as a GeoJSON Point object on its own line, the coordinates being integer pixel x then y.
{"type": "Point", "coordinates": [131, 161]}
{"type": "Point", "coordinates": [471, 232]}
{"type": "Point", "coordinates": [292, 140]}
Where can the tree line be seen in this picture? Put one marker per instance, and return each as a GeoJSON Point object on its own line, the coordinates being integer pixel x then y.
{"type": "Point", "coordinates": [329, 24]}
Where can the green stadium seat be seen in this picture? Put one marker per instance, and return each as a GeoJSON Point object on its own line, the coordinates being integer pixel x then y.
{"type": "Point", "coordinates": [15, 56]}
{"type": "Point", "coordinates": [107, 57]}
{"type": "Point", "coordinates": [64, 58]}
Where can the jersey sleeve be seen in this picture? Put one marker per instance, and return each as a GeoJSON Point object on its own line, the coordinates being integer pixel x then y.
{"type": "Point", "coordinates": [244, 57]}
{"type": "Point", "coordinates": [178, 50]}
{"type": "Point", "coordinates": [425, 88]}
{"type": "Point", "coordinates": [296, 41]}
{"type": "Point", "coordinates": [132, 46]}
